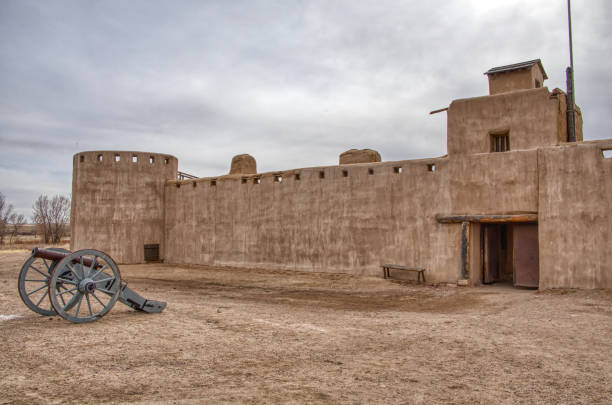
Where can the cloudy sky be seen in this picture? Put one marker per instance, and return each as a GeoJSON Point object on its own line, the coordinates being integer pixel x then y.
{"type": "Point", "coordinates": [292, 82]}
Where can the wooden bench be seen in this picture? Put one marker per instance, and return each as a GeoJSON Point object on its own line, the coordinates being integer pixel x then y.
{"type": "Point", "coordinates": [388, 267]}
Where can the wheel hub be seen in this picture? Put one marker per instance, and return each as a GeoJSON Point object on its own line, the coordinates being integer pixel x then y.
{"type": "Point", "coordinates": [87, 286]}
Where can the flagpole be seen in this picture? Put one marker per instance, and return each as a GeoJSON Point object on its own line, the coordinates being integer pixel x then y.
{"type": "Point", "coordinates": [571, 94]}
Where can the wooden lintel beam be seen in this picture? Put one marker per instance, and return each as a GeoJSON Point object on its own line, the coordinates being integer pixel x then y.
{"type": "Point", "coordinates": [494, 218]}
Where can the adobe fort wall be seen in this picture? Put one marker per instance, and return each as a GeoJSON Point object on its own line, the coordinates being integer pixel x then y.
{"type": "Point", "coordinates": [350, 219]}
{"type": "Point", "coordinates": [508, 168]}
{"type": "Point", "coordinates": [330, 219]}
{"type": "Point", "coordinates": [575, 219]}
{"type": "Point", "coordinates": [118, 201]}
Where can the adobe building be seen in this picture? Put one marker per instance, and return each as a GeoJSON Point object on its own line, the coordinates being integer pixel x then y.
{"type": "Point", "coordinates": [512, 201]}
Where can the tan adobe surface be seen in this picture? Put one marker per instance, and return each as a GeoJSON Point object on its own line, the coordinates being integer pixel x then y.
{"type": "Point", "coordinates": [354, 217]}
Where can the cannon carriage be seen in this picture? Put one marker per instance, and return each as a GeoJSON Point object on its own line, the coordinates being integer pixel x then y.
{"type": "Point", "coordinates": [79, 286]}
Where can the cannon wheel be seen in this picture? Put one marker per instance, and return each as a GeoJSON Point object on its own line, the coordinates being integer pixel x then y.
{"type": "Point", "coordinates": [33, 283]}
{"type": "Point", "coordinates": [96, 288]}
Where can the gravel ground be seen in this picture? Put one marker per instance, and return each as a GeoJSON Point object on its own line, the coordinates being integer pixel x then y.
{"type": "Point", "coordinates": [240, 335]}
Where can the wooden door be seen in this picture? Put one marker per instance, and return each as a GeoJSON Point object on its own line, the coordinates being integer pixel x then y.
{"type": "Point", "coordinates": [491, 262]}
{"type": "Point", "coordinates": [526, 260]}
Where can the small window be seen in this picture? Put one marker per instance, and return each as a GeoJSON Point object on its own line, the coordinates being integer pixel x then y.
{"type": "Point", "coordinates": [278, 178]}
{"type": "Point", "coordinates": [344, 173]}
{"type": "Point", "coordinates": [397, 169]}
{"type": "Point", "coordinates": [537, 84]}
{"type": "Point", "coordinates": [151, 252]}
{"type": "Point", "coordinates": [178, 185]}
{"type": "Point", "coordinates": [134, 159]}
{"type": "Point", "coordinates": [195, 184]}
{"type": "Point", "coordinates": [607, 153]}
{"type": "Point", "coordinates": [151, 159]}
{"type": "Point", "coordinates": [431, 167]}
{"type": "Point", "coordinates": [213, 182]}
{"type": "Point", "coordinates": [166, 161]}
{"type": "Point", "coordinates": [500, 142]}
{"type": "Point", "coordinates": [117, 158]}
{"type": "Point", "coordinates": [370, 171]}
{"type": "Point", "coordinates": [257, 180]}
{"type": "Point", "coordinates": [321, 174]}
{"type": "Point", "coordinates": [297, 176]}
{"type": "Point", "coordinates": [243, 180]}
{"type": "Point", "coordinates": [100, 157]}
{"type": "Point", "coordinates": [81, 158]}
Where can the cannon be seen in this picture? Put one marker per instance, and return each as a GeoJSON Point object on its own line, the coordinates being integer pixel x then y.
{"type": "Point", "coordinates": [79, 286]}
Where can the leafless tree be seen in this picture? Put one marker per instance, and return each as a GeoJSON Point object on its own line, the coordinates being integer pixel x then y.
{"type": "Point", "coordinates": [16, 221]}
{"type": "Point", "coordinates": [6, 210]}
{"type": "Point", "coordinates": [51, 217]}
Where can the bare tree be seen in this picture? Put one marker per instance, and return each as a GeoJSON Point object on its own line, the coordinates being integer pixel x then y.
{"type": "Point", "coordinates": [6, 210]}
{"type": "Point", "coordinates": [16, 222]}
{"type": "Point", "coordinates": [40, 217]}
{"type": "Point", "coordinates": [60, 216]}
{"type": "Point", "coordinates": [51, 217]}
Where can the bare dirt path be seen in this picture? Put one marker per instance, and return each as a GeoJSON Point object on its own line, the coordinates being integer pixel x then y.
{"type": "Point", "coordinates": [236, 335]}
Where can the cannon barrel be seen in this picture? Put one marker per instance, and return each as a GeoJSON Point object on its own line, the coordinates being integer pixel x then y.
{"type": "Point", "coordinates": [57, 256]}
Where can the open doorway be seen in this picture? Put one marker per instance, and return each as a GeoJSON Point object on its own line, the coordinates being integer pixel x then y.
{"type": "Point", "coordinates": [509, 254]}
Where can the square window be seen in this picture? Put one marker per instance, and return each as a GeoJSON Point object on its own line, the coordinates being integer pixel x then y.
{"type": "Point", "coordinates": [100, 157]}
{"type": "Point", "coordinates": [370, 171]}
{"type": "Point", "coordinates": [81, 158]}
{"type": "Point", "coordinates": [397, 169]}
{"type": "Point", "coordinates": [117, 158]}
{"type": "Point", "coordinates": [134, 159]}
{"type": "Point", "coordinates": [151, 159]}
{"type": "Point", "coordinates": [344, 173]}
{"type": "Point", "coordinates": [431, 167]}
{"type": "Point", "coordinates": [500, 142]}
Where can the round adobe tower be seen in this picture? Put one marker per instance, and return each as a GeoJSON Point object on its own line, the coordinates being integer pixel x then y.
{"type": "Point", "coordinates": [118, 203]}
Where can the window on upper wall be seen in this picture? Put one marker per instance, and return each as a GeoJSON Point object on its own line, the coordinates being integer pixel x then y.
{"type": "Point", "coordinates": [537, 84]}
{"type": "Point", "coordinates": [500, 142]}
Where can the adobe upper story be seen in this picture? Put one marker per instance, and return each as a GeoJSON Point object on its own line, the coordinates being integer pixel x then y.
{"type": "Point", "coordinates": [518, 114]}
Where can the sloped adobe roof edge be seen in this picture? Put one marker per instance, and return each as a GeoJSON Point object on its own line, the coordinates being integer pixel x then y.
{"type": "Point", "coordinates": [517, 66]}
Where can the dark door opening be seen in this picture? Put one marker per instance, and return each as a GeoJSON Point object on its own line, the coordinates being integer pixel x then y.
{"type": "Point", "coordinates": [495, 251]}
{"type": "Point", "coordinates": [509, 253]}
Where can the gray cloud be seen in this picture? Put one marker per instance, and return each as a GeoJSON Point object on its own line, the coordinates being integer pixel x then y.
{"type": "Point", "coordinates": [294, 83]}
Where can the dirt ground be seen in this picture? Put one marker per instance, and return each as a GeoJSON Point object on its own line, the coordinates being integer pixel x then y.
{"type": "Point", "coordinates": [237, 335]}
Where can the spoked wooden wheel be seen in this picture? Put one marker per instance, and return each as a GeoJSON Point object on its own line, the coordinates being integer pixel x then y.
{"type": "Point", "coordinates": [93, 286]}
{"type": "Point", "coordinates": [33, 283]}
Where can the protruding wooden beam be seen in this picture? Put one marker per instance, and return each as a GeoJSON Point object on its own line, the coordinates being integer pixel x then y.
{"type": "Point", "coordinates": [491, 218]}
{"type": "Point", "coordinates": [437, 111]}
